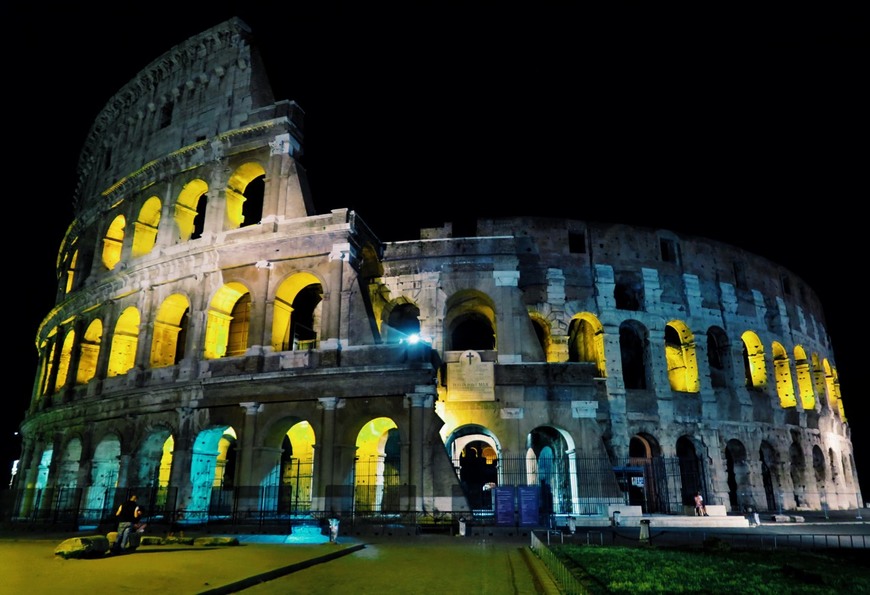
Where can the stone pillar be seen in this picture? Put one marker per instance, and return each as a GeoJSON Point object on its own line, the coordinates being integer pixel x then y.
{"type": "Point", "coordinates": [257, 327]}
{"type": "Point", "coordinates": [108, 318]}
{"type": "Point", "coordinates": [124, 472]}
{"type": "Point", "coordinates": [87, 460]}
{"type": "Point", "coordinates": [75, 354]}
{"type": "Point", "coordinates": [182, 456]}
{"type": "Point", "coordinates": [246, 499]}
{"type": "Point", "coordinates": [31, 457]}
{"type": "Point", "coordinates": [51, 381]}
{"type": "Point", "coordinates": [284, 197]}
{"type": "Point", "coordinates": [146, 332]}
{"type": "Point", "coordinates": [197, 322]}
{"type": "Point", "coordinates": [47, 500]}
{"type": "Point", "coordinates": [216, 209]}
{"type": "Point", "coordinates": [331, 324]}
{"type": "Point", "coordinates": [418, 402]}
{"type": "Point", "coordinates": [324, 454]}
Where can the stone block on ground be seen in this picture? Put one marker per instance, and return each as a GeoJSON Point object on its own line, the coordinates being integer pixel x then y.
{"type": "Point", "coordinates": [94, 546]}
{"type": "Point", "coordinates": [216, 541]}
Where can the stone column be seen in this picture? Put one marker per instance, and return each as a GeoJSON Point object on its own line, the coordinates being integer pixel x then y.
{"type": "Point", "coordinates": [182, 456]}
{"type": "Point", "coordinates": [124, 472]}
{"type": "Point", "coordinates": [324, 454]}
{"type": "Point", "coordinates": [247, 500]}
{"type": "Point", "coordinates": [31, 456]}
{"type": "Point", "coordinates": [331, 324]}
{"type": "Point", "coordinates": [418, 402]}
{"type": "Point", "coordinates": [146, 331]}
{"type": "Point", "coordinates": [108, 318]}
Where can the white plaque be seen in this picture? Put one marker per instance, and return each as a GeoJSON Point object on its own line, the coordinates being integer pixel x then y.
{"type": "Point", "coordinates": [470, 379]}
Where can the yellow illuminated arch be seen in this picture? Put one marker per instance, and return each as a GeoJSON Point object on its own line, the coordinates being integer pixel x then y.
{"type": "Point", "coordinates": [145, 227]}
{"type": "Point", "coordinates": [65, 355]}
{"type": "Point", "coordinates": [220, 324]}
{"type": "Point", "coordinates": [753, 359]}
{"type": "Point", "coordinates": [124, 342]}
{"type": "Point", "coordinates": [301, 436]}
{"type": "Point", "coordinates": [113, 242]}
{"type": "Point", "coordinates": [832, 388]}
{"type": "Point", "coordinates": [188, 206]}
{"type": "Point", "coordinates": [71, 271]}
{"type": "Point", "coordinates": [681, 357]}
{"type": "Point", "coordinates": [375, 471]}
{"type": "Point", "coordinates": [804, 379]}
{"type": "Point", "coordinates": [48, 349]}
{"type": "Point", "coordinates": [283, 308]}
{"type": "Point", "coordinates": [228, 439]}
{"type": "Point", "coordinates": [782, 374]}
{"type": "Point", "coordinates": [89, 352]}
{"type": "Point", "coordinates": [166, 462]}
{"type": "Point", "coordinates": [235, 194]}
{"type": "Point", "coordinates": [586, 341]}
{"type": "Point", "coordinates": [170, 321]}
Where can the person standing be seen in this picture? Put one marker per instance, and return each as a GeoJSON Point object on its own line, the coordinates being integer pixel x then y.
{"type": "Point", "coordinates": [127, 513]}
{"type": "Point", "coordinates": [333, 530]}
{"type": "Point", "coordinates": [700, 509]}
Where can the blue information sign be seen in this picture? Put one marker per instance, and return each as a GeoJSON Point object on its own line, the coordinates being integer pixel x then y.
{"type": "Point", "coordinates": [504, 505]}
{"type": "Point", "coordinates": [528, 496]}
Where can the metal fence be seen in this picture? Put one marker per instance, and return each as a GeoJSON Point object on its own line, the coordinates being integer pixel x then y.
{"type": "Point", "coordinates": [579, 486]}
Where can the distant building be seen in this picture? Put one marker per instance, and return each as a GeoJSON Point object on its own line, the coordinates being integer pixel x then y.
{"type": "Point", "coordinates": [221, 350]}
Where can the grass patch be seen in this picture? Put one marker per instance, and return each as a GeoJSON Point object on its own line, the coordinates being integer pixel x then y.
{"type": "Point", "coordinates": [715, 568]}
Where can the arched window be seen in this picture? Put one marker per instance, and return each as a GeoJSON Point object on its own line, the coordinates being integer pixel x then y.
{"type": "Point", "coordinates": [190, 210]}
{"type": "Point", "coordinates": [228, 318]}
{"type": "Point", "coordinates": [113, 242]}
{"type": "Point", "coordinates": [681, 358]}
{"type": "Point", "coordinates": [244, 196]}
{"type": "Point", "coordinates": [402, 322]}
{"type": "Point", "coordinates": [804, 379]}
{"type": "Point", "coordinates": [586, 341]}
{"type": "Point", "coordinates": [470, 322]}
{"type": "Point", "coordinates": [753, 361]}
{"type": "Point", "coordinates": [89, 352]}
{"type": "Point", "coordinates": [145, 227]}
{"type": "Point", "coordinates": [633, 345]}
{"type": "Point", "coordinates": [124, 342]}
{"type": "Point", "coordinates": [170, 330]}
{"type": "Point", "coordinates": [65, 356]}
{"type": "Point", "coordinates": [296, 314]}
{"type": "Point", "coordinates": [782, 373]}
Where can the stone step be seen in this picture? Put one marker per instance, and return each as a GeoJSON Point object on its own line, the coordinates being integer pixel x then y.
{"type": "Point", "coordinates": [663, 520]}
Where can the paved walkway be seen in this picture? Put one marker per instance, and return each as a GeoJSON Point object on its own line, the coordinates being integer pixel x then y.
{"type": "Point", "coordinates": [424, 564]}
{"type": "Point", "coordinates": [265, 565]}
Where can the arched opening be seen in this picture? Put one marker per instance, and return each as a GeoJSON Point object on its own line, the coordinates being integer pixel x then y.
{"type": "Point", "coordinates": [633, 345]}
{"type": "Point", "coordinates": [691, 471]}
{"type": "Point", "coordinates": [113, 241]}
{"type": "Point", "coordinates": [377, 467]}
{"type": "Point", "coordinates": [145, 227]}
{"type": "Point", "coordinates": [212, 471]}
{"type": "Point", "coordinates": [125, 340]}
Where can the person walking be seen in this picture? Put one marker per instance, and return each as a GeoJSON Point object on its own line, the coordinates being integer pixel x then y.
{"type": "Point", "coordinates": [128, 513]}
{"type": "Point", "coordinates": [700, 509]}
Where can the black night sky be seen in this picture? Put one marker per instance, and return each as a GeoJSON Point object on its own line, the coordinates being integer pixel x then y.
{"type": "Point", "coordinates": [749, 134]}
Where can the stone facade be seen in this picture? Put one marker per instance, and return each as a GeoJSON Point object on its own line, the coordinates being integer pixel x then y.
{"type": "Point", "coordinates": [221, 349]}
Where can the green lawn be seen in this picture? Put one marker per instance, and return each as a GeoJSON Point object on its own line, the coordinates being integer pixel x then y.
{"type": "Point", "coordinates": [715, 568]}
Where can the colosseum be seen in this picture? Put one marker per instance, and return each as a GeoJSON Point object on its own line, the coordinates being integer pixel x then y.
{"type": "Point", "coordinates": [231, 356]}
